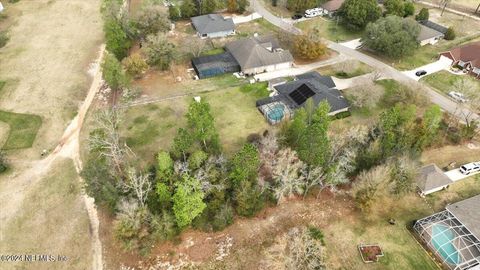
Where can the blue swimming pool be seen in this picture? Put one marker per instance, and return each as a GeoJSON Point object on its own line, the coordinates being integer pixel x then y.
{"type": "Point", "coordinates": [276, 113]}
{"type": "Point", "coordinates": [442, 237]}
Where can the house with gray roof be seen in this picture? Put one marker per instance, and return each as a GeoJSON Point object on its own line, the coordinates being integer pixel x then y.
{"type": "Point", "coordinates": [435, 26]}
{"type": "Point", "coordinates": [428, 35]}
{"type": "Point", "coordinates": [259, 54]}
{"type": "Point", "coordinates": [293, 95]}
{"type": "Point", "coordinates": [213, 26]}
{"type": "Point", "coordinates": [453, 235]}
{"type": "Point", "coordinates": [432, 179]}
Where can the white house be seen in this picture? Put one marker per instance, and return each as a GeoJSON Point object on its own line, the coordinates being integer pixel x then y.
{"type": "Point", "coordinates": [259, 54]}
{"type": "Point", "coordinates": [428, 35]}
{"type": "Point", "coordinates": [432, 179]}
{"type": "Point", "coordinates": [213, 26]}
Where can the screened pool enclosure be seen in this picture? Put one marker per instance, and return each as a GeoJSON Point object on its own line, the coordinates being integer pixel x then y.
{"type": "Point", "coordinates": [450, 241]}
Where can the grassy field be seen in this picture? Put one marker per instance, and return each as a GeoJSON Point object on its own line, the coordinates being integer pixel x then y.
{"type": "Point", "coordinates": [400, 248]}
{"type": "Point", "coordinates": [149, 128]}
{"type": "Point", "coordinates": [52, 221]}
{"type": "Point", "coordinates": [444, 81]}
{"type": "Point", "coordinates": [23, 129]}
{"type": "Point", "coordinates": [329, 29]}
{"type": "Point", "coordinates": [50, 84]}
{"type": "Point", "coordinates": [339, 70]}
{"type": "Point", "coordinates": [458, 191]}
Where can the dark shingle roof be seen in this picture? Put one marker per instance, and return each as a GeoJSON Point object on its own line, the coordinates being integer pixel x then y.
{"type": "Point", "coordinates": [307, 82]}
{"type": "Point", "coordinates": [467, 212]}
{"type": "Point", "coordinates": [431, 177]}
{"type": "Point", "coordinates": [212, 23]}
{"type": "Point", "coordinates": [435, 26]}
{"type": "Point", "coordinates": [325, 80]}
{"type": "Point", "coordinates": [258, 52]}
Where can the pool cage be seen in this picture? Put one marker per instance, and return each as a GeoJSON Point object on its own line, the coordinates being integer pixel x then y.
{"type": "Point", "coordinates": [449, 240]}
{"type": "Point", "coordinates": [275, 112]}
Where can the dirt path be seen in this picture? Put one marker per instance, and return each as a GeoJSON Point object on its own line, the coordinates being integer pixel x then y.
{"type": "Point", "coordinates": [13, 190]}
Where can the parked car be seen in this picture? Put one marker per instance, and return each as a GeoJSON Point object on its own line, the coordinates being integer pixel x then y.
{"type": "Point", "coordinates": [420, 73]}
{"type": "Point", "coordinates": [457, 96]}
{"type": "Point", "coordinates": [314, 12]}
{"type": "Point", "coordinates": [470, 168]}
{"type": "Point", "coordinates": [297, 16]}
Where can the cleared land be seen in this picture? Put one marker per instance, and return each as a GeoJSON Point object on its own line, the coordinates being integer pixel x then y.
{"type": "Point", "coordinates": [444, 81]}
{"type": "Point", "coordinates": [23, 129]}
{"type": "Point", "coordinates": [50, 48]}
{"type": "Point", "coordinates": [329, 29]}
{"type": "Point", "coordinates": [149, 128]}
{"type": "Point", "coordinates": [52, 221]}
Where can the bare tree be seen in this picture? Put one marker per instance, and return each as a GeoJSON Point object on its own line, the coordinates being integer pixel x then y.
{"type": "Point", "coordinates": [347, 66]}
{"type": "Point", "coordinates": [287, 175]}
{"type": "Point", "coordinates": [268, 148]}
{"type": "Point", "coordinates": [366, 94]}
{"type": "Point", "coordinates": [303, 252]}
{"type": "Point", "coordinates": [140, 184]}
{"type": "Point", "coordinates": [196, 47]}
{"type": "Point", "coordinates": [370, 185]}
{"type": "Point", "coordinates": [106, 139]}
{"type": "Point", "coordinates": [443, 5]}
{"type": "Point", "coordinates": [471, 107]}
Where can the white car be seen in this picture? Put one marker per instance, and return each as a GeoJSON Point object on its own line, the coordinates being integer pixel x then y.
{"type": "Point", "coordinates": [470, 168]}
{"type": "Point", "coordinates": [314, 12]}
{"type": "Point", "coordinates": [457, 96]}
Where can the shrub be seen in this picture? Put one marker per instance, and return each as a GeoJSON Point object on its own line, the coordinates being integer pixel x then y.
{"type": "Point", "coordinates": [3, 39]}
{"type": "Point", "coordinates": [408, 9]}
{"type": "Point", "coordinates": [423, 15]}
{"type": "Point", "coordinates": [135, 65]}
{"type": "Point", "coordinates": [450, 34]}
{"type": "Point", "coordinates": [173, 13]}
{"type": "Point", "coordinates": [196, 159]}
{"type": "Point", "coordinates": [3, 162]}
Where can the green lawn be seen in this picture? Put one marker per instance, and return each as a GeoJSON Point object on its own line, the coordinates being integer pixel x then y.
{"type": "Point", "coordinates": [335, 70]}
{"type": "Point", "coordinates": [425, 54]}
{"type": "Point", "coordinates": [444, 81]}
{"type": "Point", "coordinates": [149, 128]}
{"type": "Point", "coordinates": [213, 51]}
{"type": "Point", "coordinates": [458, 191]}
{"type": "Point", "coordinates": [23, 129]}
{"type": "Point", "coordinates": [330, 29]}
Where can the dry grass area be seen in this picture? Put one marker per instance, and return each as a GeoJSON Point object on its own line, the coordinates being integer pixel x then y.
{"type": "Point", "coordinates": [445, 155]}
{"type": "Point", "coordinates": [52, 221]}
{"type": "Point", "coordinates": [52, 43]}
{"type": "Point", "coordinates": [463, 25]}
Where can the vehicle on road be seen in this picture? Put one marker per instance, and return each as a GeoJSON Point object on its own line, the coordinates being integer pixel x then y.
{"type": "Point", "coordinates": [314, 12]}
{"type": "Point", "coordinates": [470, 168]}
{"type": "Point", "coordinates": [457, 96]}
{"type": "Point", "coordinates": [297, 16]}
{"type": "Point", "coordinates": [420, 73]}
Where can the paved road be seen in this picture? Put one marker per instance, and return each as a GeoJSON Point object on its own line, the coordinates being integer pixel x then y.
{"type": "Point", "coordinates": [280, 23]}
{"type": "Point", "coordinates": [387, 71]}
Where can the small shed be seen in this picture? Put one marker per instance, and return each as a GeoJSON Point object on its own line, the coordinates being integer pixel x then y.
{"type": "Point", "coordinates": [432, 179]}
{"type": "Point", "coordinates": [214, 65]}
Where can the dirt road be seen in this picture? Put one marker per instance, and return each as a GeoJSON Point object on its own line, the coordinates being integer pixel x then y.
{"type": "Point", "coordinates": [13, 190]}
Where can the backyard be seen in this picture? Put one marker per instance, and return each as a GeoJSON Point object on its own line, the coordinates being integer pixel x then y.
{"type": "Point", "coordinates": [149, 128]}
{"type": "Point", "coordinates": [22, 128]}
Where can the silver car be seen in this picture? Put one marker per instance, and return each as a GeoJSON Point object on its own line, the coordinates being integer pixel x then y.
{"type": "Point", "coordinates": [457, 96]}
{"type": "Point", "coordinates": [470, 168]}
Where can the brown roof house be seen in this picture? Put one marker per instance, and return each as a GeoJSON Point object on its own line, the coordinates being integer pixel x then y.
{"type": "Point", "coordinates": [467, 57]}
{"type": "Point", "coordinates": [432, 179]}
{"type": "Point", "coordinates": [259, 54]}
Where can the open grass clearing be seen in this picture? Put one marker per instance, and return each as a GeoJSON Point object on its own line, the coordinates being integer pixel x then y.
{"type": "Point", "coordinates": [53, 221]}
{"type": "Point", "coordinates": [424, 54]}
{"type": "Point", "coordinates": [444, 81]}
{"type": "Point", "coordinates": [50, 84]}
{"type": "Point", "coordinates": [149, 128]}
{"type": "Point", "coordinates": [346, 69]}
{"type": "Point", "coordinates": [458, 154]}
{"type": "Point", "coordinates": [329, 29]}
{"type": "Point", "coordinates": [23, 129]}
{"type": "Point", "coordinates": [456, 192]}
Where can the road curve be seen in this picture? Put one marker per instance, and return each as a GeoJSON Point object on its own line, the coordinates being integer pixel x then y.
{"type": "Point", "coordinates": [387, 71]}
